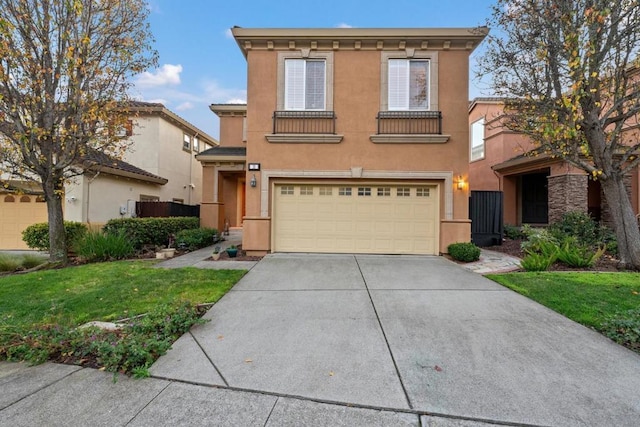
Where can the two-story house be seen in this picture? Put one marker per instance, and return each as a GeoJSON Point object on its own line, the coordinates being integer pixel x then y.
{"type": "Point", "coordinates": [536, 189]}
{"type": "Point", "coordinates": [355, 141]}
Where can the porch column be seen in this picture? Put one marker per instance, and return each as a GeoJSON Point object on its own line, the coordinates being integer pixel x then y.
{"type": "Point", "coordinates": [567, 193]}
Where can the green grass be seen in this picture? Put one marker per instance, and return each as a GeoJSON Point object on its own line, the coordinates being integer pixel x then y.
{"type": "Point", "coordinates": [587, 298]}
{"type": "Point", "coordinates": [105, 291]}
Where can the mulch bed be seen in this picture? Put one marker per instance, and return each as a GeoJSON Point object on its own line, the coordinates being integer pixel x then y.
{"type": "Point", "coordinates": [513, 248]}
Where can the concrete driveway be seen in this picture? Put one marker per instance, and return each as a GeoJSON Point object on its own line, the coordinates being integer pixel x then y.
{"type": "Point", "coordinates": [407, 333]}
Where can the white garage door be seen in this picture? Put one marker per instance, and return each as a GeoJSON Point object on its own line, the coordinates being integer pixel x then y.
{"type": "Point", "coordinates": [17, 213]}
{"type": "Point", "coordinates": [356, 218]}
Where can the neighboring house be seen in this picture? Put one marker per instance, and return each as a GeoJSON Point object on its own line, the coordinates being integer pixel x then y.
{"type": "Point", "coordinates": [355, 141]}
{"type": "Point", "coordinates": [160, 166]}
{"type": "Point", "coordinates": [537, 189]}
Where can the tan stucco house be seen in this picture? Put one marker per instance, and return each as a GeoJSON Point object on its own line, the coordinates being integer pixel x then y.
{"type": "Point", "coordinates": [352, 140]}
{"type": "Point", "coordinates": [536, 190]}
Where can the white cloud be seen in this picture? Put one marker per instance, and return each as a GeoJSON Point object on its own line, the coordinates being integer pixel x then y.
{"type": "Point", "coordinates": [215, 94]}
{"type": "Point", "coordinates": [236, 101]}
{"type": "Point", "coordinates": [344, 25]}
{"type": "Point", "coordinates": [185, 106]}
{"type": "Point", "coordinates": [228, 34]}
{"type": "Point", "coordinates": [157, 101]}
{"type": "Point", "coordinates": [168, 74]}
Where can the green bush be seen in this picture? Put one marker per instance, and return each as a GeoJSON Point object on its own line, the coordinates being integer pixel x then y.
{"type": "Point", "coordinates": [196, 238]}
{"type": "Point", "coordinates": [576, 255]}
{"type": "Point", "coordinates": [97, 246]}
{"type": "Point", "coordinates": [580, 226]}
{"type": "Point", "coordinates": [513, 232]}
{"type": "Point", "coordinates": [150, 231]}
{"type": "Point", "coordinates": [534, 261]}
{"type": "Point", "coordinates": [30, 261]}
{"type": "Point", "coordinates": [624, 329]}
{"type": "Point", "coordinates": [536, 238]}
{"type": "Point", "coordinates": [36, 236]}
{"type": "Point", "coordinates": [465, 252]}
{"type": "Point", "coordinates": [8, 263]}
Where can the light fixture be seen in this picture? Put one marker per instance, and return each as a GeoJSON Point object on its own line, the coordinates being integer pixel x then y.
{"type": "Point", "coordinates": [460, 182]}
{"type": "Point", "coordinates": [253, 181]}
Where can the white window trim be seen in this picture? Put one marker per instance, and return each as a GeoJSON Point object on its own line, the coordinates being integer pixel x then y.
{"type": "Point", "coordinates": [328, 69]}
{"type": "Point", "coordinates": [431, 56]}
{"type": "Point", "coordinates": [484, 147]}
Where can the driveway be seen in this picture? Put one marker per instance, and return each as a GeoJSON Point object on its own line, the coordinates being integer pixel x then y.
{"type": "Point", "coordinates": [407, 333]}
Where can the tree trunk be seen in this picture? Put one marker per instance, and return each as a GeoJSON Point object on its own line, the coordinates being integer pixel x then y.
{"type": "Point", "coordinates": [53, 191]}
{"type": "Point", "coordinates": [624, 221]}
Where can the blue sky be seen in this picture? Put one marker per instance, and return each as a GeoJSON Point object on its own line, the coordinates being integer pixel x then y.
{"type": "Point", "coordinates": [201, 64]}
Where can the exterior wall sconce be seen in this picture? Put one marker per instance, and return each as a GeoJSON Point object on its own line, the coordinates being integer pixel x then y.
{"type": "Point", "coordinates": [254, 182]}
{"type": "Point", "coordinates": [460, 183]}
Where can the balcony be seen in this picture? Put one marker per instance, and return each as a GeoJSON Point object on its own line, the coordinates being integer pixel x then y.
{"type": "Point", "coordinates": [409, 127]}
{"type": "Point", "coordinates": [304, 127]}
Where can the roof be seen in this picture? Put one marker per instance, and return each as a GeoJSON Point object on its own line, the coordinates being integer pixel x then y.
{"type": "Point", "coordinates": [229, 109]}
{"type": "Point", "coordinates": [487, 100]}
{"type": "Point", "coordinates": [223, 154]}
{"type": "Point", "coordinates": [162, 111]}
{"type": "Point", "coordinates": [96, 160]}
{"type": "Point", "coordinates": [359, 38]}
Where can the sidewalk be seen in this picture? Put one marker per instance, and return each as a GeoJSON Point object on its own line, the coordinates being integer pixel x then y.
{"type": "Point", "coordinates": [493, 262]}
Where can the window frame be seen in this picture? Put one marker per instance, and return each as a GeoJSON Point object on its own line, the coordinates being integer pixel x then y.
{"type": "Point", "coordinates": [186, 142]}
{"type": "Point", "coordinates": [410, 55]}
{"type": "Point", "coordinates": [310, 55]}
{"type": "Point", "coordinates": [305, 83]}
{"type": "Point", "coordinates": [472, 157]}
{"type": "Point", "coordinates": [407, 83]}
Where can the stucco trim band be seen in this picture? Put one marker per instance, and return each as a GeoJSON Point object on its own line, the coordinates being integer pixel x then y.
{"type": "Point", "coordinates": [446, 176]}
{"type": "Point", "coordinates": [303, 138]}
{"type": "Point", "coordinates": [409, 139]}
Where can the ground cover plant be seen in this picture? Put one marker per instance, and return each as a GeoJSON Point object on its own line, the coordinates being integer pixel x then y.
{"type": "Point", "coordinates": [10, 263]}
{"type": "Point", "coordinates": [40, 312]}
{"type": "Point", "coordinates": [606, 302]}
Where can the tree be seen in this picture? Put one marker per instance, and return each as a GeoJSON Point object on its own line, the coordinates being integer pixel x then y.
{"type": "Point", "coordinates": [570, 71]}
{"type": "Point", "coordinates": [65, 68]}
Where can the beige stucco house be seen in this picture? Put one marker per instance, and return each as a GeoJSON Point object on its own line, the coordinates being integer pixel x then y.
{"type": "Point", "coordinates": [160, 165]}
{"type": "Point", "coordinates": [352, 140]}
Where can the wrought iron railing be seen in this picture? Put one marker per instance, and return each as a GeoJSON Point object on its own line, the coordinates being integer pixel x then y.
{"type": "Point", "coordinates": [315, 122]}
{"type": "Point", "coordinates": [409, 122]}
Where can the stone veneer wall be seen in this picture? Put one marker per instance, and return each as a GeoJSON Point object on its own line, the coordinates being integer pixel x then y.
{"type": "Point", "coordinates": [567, 193]}
{"type": "Point", "coordinates": [605, 216]}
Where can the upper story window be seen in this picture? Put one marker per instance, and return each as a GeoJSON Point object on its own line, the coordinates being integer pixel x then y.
{"type": "Point", "coordinates": [476, 135]}
{"type": "Point", "coordinates": [305, 84]}
{"type": "Point", "coordinates": [196, 144]}
{"type": "Point", "coordinates": [408, 84]}
{"type": "Point", "coordinates": [186, 142]}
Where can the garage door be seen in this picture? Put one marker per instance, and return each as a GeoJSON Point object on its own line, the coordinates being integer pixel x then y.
{"type": "Point", "coordinates": [381, 219]}
{"type": "Point", "coordinates": [17, 213]}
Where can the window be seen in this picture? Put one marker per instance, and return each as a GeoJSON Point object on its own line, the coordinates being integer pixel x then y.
{"type": "Point", "coordinates": [146, 198]}
{"type": "Point", "coordinates": [422, 192]}
{"type": "Point", "coordinates": [196, 144]}
{"type": "Point", "coordinates": [364, 191]}
{"type": "Point", "coordinates": [408, 84]}
{"type": "Point", "coordinates": [477, 139]}
{"type": "Point", "coordinates": [306, 190]}
{"type": "Point", "coordinates": [325, 191]}
{"type": "Point", "coordinates": [304, 84]}
{"type": "Point", "coordinates": [25, 199]}
{"type": "Point", "coordinates": [9, 199]}
{"type": "Point", "coordinates": [286, 190]}
{"type": "Point", "coordinates": [403, 192]}
{"type": "Point", "coordinates": [384, 191]}
{"type": "Point", "coordinates": [344, 191]}
{"type": "Point", "coordinates": [186, 142]}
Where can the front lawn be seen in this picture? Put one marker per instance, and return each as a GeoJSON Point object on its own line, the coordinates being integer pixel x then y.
{"type": "Point", "coordinates": [39, 312]}
{"type": "Point", "coordinates": [607, 302]}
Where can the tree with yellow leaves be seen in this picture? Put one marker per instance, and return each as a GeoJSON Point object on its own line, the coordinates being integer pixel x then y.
{"type": "Point", "coordinates": [65, 69]}
{"type": "Point", "coordinates": [570, 69]}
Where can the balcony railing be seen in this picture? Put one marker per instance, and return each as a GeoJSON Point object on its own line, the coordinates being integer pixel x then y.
{"type": "Point", "coordinates": [307, 122]}
{"type": "Point", "coordinates": [409, 122]}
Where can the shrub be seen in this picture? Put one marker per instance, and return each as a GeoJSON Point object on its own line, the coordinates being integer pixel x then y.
{"type": "Point", "coordinates": [536, 238]}
{"type": "Point", "coordinates": [36, 236]}
{"type": "Point", "coordinates": [150, 231]}
{"type": "Point", "coordinates": [196, 238]}
{"type": "Point", "coordinates": [96, 246]}
{"type": "Point", "coordinates": [534, 261]}
{"type": "Point", "coordinates": [576, 255]}
{"type": "Point", "coordinates": [465, 252]}
{"type": "Point", "coordinates": [580, 226]}
{"type": "Point", "coordinates": [30, 261]}
{"type": "Point", "coordinates": [624, 329]}
{"type": "Point", "coordinates": [513, 232]}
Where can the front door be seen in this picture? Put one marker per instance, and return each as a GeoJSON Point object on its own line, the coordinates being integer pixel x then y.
{"type": "Point", "coordinates": [535, 198]}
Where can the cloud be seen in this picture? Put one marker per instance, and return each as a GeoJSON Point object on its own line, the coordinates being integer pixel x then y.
{"type": "Point", "coordinates": [166, 75]}
{"type": "Point", "coordinates": [214, 93]}
{"type": "Point", "coordinates": [228, 34]}
{"type": "Point", "coordinates": [236, 101]}
{"type": "Point", "coordinates": [343, 25]}
{"type": "Point", "coordinates": [185, 106]}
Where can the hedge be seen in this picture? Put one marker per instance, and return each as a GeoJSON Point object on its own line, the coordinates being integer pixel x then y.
{"type": "Point", "coordinates": [36, 236]}
{"type": "Point", "coordinates": [150, 231]}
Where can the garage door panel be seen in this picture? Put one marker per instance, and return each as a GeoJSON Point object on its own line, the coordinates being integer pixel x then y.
{"type": "Point", "coordinates": [16, 216]}
{"type": "Point", "coordinates": [372, 222]}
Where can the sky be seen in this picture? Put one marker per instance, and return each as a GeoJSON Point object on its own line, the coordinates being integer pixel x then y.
{"type": "Point", "coordinates": [201, 64]}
